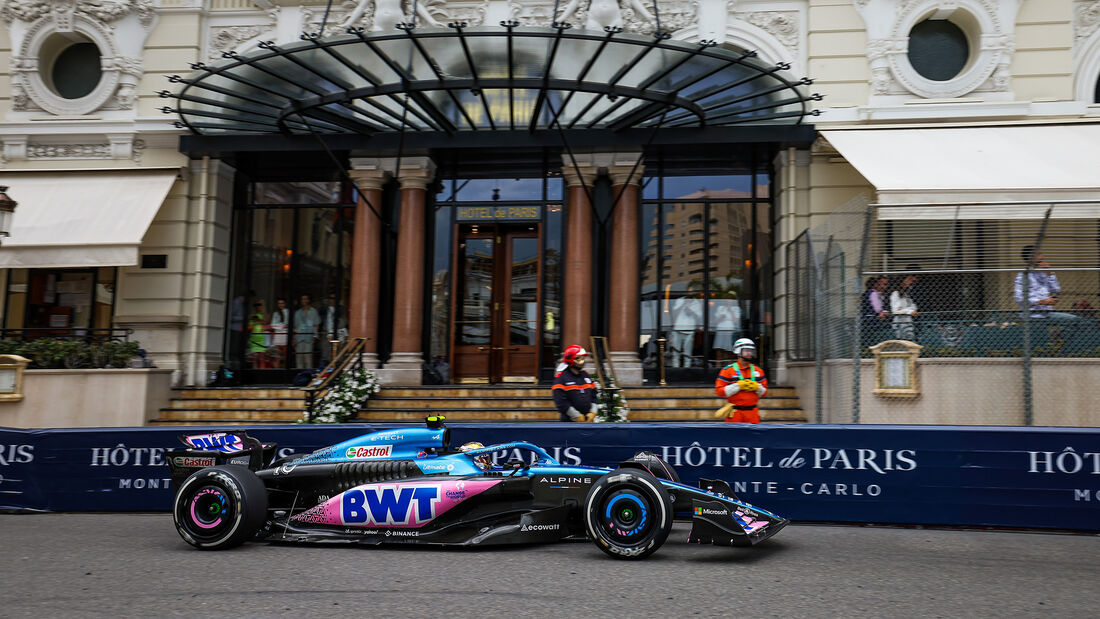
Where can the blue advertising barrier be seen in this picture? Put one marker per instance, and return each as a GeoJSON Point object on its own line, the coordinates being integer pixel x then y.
{"type": "Point", "coordinates": [940, 475]}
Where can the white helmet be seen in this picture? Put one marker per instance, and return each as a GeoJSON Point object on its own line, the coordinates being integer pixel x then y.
{"type": "Point", "coordinates": [742, 344]}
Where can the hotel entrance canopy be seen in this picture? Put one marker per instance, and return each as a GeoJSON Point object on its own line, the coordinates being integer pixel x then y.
{"type": "Point", "coordinates": [461, 81]}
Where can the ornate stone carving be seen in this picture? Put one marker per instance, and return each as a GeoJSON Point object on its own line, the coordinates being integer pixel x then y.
{"type": "Point", "coordinates": [24, 10]}
{"type": "Point", "coordinates": [69, 151]}
{"type": "Point", "coordinates": [105, 11]}
{"type": "Point", "coordinates": [889, 24]}
{"type": "Point", "coordinates": [384, 15]}
{"type": "Point", "coordinates": [781, 25]}
{"type": "Point", "coordinates": [881, 80]}
{"type": "Point", "coordinates": [223, 39]}
{"type": "Point", "coordinates": [630, 15]}
{"type": "Point", "coordinates": [470, 13]}
{"type": "Point", "coordinates": [116, 27]}
{"type": "Point", "coordinates": [538, 13]}
{"type": "Point", "coordinates": [1086, 19]}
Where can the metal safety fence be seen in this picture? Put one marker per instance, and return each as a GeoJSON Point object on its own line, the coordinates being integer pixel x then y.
{"type": "Point", "coordinates": [999, 305]}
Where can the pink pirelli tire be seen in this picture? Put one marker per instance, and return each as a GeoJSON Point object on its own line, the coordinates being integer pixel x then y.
{"type": "Point", "coordinates": [628, 514]}
{"type": "Point", "coordinates": [220, 507]}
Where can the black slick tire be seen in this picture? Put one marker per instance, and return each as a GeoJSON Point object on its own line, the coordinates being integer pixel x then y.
{"type": "Point", "coordinates": [219, 507]}
{"type": "Point", "coordinates": [628, 514]}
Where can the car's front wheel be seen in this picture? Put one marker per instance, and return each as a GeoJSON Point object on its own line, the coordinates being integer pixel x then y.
{"type": "Point", "coordinates": [628, 514]}
{"type": "Point", "coordinates": [220, 507]}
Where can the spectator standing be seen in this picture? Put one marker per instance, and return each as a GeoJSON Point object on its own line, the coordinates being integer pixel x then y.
{"type": "Point", "coordinates": [573, 389]}
{"type": "Point", "coordinates": [334, 325]}
{"type": "Point", "coordinates": [742, 383]}
{"type": "Point", "coordinates": [257, 335]}
{"type": "Point", "coordinates": [873, 311]}
{"type": "Point", "coordinates": [904, 309]}
{"type": "Point", "coordinates": [306, 321]}
{"type": "Point", "coordinates": [1043, 288]}
{"type": "Point", "coordinates": [280, 322]}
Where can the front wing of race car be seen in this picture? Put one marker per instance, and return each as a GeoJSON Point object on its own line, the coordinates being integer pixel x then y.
{"type": "Point", "coordinates": [718, 517]}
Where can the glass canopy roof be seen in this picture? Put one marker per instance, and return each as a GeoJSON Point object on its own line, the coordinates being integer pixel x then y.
{"type": "Point", "coordinates": [461, 79]}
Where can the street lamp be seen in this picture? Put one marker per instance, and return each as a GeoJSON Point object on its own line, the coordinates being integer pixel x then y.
{"type": "Point", "coordinates": [7, 209]}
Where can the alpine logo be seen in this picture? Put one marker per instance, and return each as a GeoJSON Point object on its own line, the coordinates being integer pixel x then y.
{"type": "Point", "coordinates": [565, 480]}
{"type": "Point", "coordinates": [389, 505]}
{"type": "Point", "coordinates": [540, 527]}
{"type": "Point", "coordinates": [374, 451]}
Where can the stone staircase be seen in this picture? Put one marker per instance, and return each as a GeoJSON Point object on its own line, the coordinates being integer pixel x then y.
{"type": "Point", "coordinates": [481, 403]}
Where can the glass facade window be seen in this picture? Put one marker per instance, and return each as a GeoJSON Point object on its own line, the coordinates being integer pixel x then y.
{"type": "Point", "coordinates": [291, 261]}
{"type": "Point", "coordinates": [55, 302]}
{"type": "Point", "coordinates": [704, 266]}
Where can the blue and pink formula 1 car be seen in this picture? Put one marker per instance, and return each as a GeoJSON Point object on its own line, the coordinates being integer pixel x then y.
{"type": "Point", "coordinates": [407, 486]}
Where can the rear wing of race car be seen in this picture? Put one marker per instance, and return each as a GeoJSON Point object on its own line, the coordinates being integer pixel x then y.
{"type": "Point", "coordinates": [217, 448]}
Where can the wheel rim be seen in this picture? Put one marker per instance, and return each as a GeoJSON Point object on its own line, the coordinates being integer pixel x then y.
{"type": "Point", "coordinates": [209, 510]}
{"type": "Point", "coordinates": [626, 516]}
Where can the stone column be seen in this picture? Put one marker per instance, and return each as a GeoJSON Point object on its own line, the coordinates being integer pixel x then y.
{"type": "Point", "coordinates": [623, 305]}
{"type": "Point", "coordinates": [404, 365]}
{"type": "Point", "coordinates": [366, 256]}
{"type": "Point", "coordinates": [577, 296]}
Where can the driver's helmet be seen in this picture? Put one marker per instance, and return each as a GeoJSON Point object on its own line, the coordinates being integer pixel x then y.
{"type": "Point", "coordinates": [482, 460]}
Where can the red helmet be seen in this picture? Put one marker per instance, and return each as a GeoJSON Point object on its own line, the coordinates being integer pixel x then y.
{"type": "Point", "coordinates": [572, 353]}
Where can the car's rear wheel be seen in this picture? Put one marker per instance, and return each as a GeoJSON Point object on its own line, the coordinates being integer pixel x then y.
{"type": "Point", "coordinates": [628, 514]}
{"type": "Point", "coordinates": [220, 507]}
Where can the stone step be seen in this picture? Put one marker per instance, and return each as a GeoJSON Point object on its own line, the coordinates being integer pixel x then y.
{"type": "Point", "coordinates": [238, 392]}
{"type": "Point", "coordinates": [223, 413]}
{"type": "Point", "coordinates": [236, 403]}
{"type": "Point", "coordinates": [377, 402]}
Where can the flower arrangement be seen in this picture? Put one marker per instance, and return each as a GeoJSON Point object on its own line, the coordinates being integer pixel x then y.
{"type": "Point", "coordinates": [345, 398]}
{"type": "Point", "coordinates": [611, 406]}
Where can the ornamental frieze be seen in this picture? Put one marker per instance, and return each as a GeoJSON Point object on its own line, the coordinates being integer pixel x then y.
{"type": "Point", "coordinates": [1086, 19]}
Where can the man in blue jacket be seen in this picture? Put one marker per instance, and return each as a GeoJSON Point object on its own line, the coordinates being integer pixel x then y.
{"type": "Point", "coordinates": [574, 390]}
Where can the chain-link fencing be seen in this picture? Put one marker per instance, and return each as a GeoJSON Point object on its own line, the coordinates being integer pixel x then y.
{"type": "Point", "coordinates": [998, 305]}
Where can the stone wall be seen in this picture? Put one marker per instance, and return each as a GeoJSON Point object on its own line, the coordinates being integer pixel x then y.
{"type": "Point", "coordinates": [88, 398]}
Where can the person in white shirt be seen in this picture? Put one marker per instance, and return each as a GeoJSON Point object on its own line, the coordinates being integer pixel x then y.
{"type": "Point", "coordinates": [904, 310]}
{"type": "Point", "coordinates": [280, 319]}
{"type": "Point", "coordinates": [1043, 288]}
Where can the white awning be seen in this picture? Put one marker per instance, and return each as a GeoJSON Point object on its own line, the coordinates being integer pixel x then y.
{"type": "Point", "coordinates": [972, 165]}
{"type": "Point", "coordinates": [81, 219]}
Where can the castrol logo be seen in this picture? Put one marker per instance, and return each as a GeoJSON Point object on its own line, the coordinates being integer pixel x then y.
{"type": "Point", "coordinates": [374, 451]}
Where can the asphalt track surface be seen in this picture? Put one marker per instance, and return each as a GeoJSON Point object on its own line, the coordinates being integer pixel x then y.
{"type": "Point", "coordinates": [135, 565]}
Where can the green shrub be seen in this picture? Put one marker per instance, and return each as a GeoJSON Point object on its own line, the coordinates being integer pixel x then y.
{"type": "Point", "coordinates": [50, 353]}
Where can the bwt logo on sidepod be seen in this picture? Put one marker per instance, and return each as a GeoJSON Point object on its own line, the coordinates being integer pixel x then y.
{"type": "Point", "coordinates": [390, 504]}
{"type": "Point", "coordinates": [374, 451]}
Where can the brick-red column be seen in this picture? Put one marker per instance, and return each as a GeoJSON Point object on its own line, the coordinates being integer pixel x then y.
{"type": "Point", "coordinates": [577, 302]}
{"type": "Point", "coordinates": [623, 303]}
{"type": "Point", "coordinates": [408, 293]}
{"type": "Point", "coordinates": [366, 260]}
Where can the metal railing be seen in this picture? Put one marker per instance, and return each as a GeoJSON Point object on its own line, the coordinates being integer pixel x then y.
{"type": "Point", "coordinates": [348, 357]}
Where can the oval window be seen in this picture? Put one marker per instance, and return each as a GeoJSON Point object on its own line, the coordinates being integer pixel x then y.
{"type": "Point", "coordinates": [76, 71]}
{"type": "Point", "coordinates": [938, 49]}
